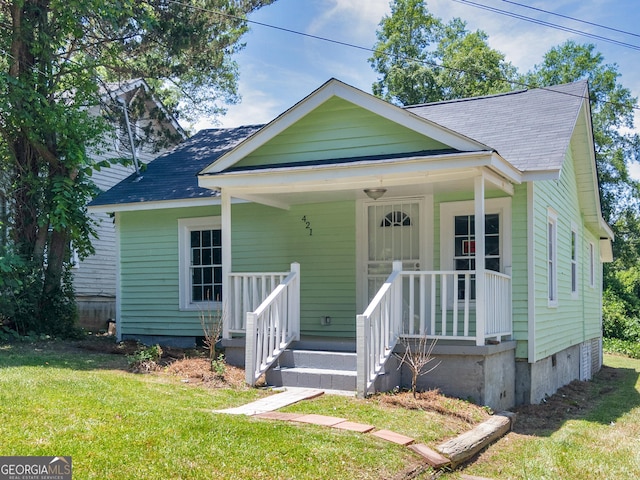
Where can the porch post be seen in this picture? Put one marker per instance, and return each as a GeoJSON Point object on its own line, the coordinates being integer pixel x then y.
{"type": "Point", "coordinates": [478, 192]}
{"type": "Point", "coordinates": [227, 303]}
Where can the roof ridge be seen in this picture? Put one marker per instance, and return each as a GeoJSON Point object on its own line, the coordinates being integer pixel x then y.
{"type": "Point", "coordinates": [466, 99]}
{"type": "Point", "coordinates": [548, 88]}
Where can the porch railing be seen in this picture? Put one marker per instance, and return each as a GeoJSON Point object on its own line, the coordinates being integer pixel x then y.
{"type": "Point", "coordinates": [378, 330]}
{"type": "Point", "coordinates": [247, 291]}
{"type": "Point", "coordinates": [498, 319]}
{"type": "Point", "coordinates": [272, 326]}
{"type": "Point", "coordinates": [436, 304]}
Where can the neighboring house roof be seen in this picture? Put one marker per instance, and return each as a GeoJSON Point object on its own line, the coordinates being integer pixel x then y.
{"type": "Point", "coordinates": [114, 90]}
{"type": "Point", "coordinates": [172, 176]}
{"type": "Point", "coordinates": [531, 129]}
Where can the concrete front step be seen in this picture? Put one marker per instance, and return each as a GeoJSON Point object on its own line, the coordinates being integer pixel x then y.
{"type": "Point", "coordinates": [312, 378]}
{"type": "Point", "coordinates": [314, 369]}
{"type": "Point", "coordinates": [318, 359]}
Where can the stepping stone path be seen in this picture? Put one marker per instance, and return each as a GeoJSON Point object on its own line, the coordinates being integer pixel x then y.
{"type": "Point", "coordinates": [265, 408]}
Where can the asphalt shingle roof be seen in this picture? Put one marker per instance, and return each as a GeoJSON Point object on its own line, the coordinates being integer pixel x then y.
{"type": "Point", "coordinates": [531, 129]}
{"type": "Point", "coordinates": [173, 176]}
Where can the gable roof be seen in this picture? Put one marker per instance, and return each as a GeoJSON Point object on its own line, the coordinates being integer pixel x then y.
{"type": "Point", "coordinates": [173, 176]}
{"type": "Point", "coordinates": [337, 89]}
{"type": "Point", "coordinates": [531, 129]}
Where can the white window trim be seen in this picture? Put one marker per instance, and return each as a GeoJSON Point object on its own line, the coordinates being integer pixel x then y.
{"type": "Point", "coordinates": [185, 226]}
{"type": "Point", "coordinates": [552, 258]}
{"type": "Point", "coordinates": [448, 212]}
{"type": "Point", "coordinates": [592, 265]}
{"type": "Point", "coordinates": [574, 261]}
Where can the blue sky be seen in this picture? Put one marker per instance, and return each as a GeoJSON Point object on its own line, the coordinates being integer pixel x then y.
{"type": "Point", "coordinates": [277, 69]}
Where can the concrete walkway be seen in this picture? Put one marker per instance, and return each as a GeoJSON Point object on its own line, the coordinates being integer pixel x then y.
{"type": "Point", "coordinates": [274, 402]}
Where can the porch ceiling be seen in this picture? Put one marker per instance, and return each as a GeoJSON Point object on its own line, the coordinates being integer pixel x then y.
{"type": "Point", "coordinates": [281, 187]}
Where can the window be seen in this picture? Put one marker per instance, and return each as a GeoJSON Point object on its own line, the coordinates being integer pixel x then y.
{"type": "Point", "coordinates": [574, 261]}
{"type": "Point", "coordinates": [552, 257]}
{"type": "Point", "coordinates": [200, 244]}
{"type": "Point", "coordinates": [396, 219]}
{"type": "Point", "coordinates": [465, 247]}
{"type": "Point", "coordinates": [592, 265]}
{"type": "Point", "coordinates": [458, 241]}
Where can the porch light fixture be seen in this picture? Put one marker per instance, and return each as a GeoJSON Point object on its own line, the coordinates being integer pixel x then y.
{"type": "Point", "coordinates": [375, 193]}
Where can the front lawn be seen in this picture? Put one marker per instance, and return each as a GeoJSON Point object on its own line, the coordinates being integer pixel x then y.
{"type": "Point", "coordinates": [60, 400]}
{"type": "Point", "coordinates": [589, 430]}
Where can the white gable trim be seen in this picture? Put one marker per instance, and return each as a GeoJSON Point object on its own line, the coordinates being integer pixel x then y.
{"type": "Point", "coordinates": [336, 88]}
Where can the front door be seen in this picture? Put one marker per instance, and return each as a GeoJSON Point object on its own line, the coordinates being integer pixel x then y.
{"type": "Point", "coordinates": [393, 233]}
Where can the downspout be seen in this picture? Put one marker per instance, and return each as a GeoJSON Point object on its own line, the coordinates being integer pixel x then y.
{"type": "Point", "coordinates": [133, 148]}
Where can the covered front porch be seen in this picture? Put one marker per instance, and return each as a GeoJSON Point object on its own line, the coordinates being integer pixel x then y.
{"type": "Point", "coordinates": [458, 302]}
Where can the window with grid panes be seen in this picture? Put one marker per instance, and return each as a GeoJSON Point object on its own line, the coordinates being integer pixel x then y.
{"type": "Point", "coordinates": [206, 265]}
{"type": "Point", "coordinates": [464, 247]}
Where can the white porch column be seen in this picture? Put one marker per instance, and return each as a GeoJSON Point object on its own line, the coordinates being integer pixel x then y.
{"type": "Point", "coordinates": [478, 195]}
{"type": "Point", "coordinates": [225, 211]}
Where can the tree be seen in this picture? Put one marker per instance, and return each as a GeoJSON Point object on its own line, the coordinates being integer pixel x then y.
{"type": "Point", "coordinates": [421, 59]}
{"type": "Point", "coordinates": [58, 58]}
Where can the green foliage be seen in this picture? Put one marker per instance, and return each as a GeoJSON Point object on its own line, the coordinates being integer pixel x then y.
{"type": "Point", "coordinates": [628, 348]}
{"type": "Point", "coordinates": [61, 62]}
{"type": "Point", "coordinates": [419, 58]}
{"type": "Point", "coordinates": [145, 359]}
{"type": "Point", "coordinates": [219, 366]}
{"type": "Point", "coordinates": [621, 304]}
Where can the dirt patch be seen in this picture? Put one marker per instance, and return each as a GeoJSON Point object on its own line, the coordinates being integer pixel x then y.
{"type": "Point", "coordinates": [569, 402]}
{"type": "Point", "coordinates": [434, 401]}
{"type": "Point", "coordinates": [197, 371]}
{"type": "Point", "coordinates": [190, 366]}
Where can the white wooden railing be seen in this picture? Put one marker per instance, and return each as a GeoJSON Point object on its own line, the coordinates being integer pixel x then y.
{"type": "Point", "coordinates": [246, 292]}
{"type": "Point", "coordinates": [378, 330]}
{"type": "Point", "coordinates": [272, 326]}
{"type": "Point", "coordinates": [435, 304]}
{"type": "Point", "coordinates": [498, 317]}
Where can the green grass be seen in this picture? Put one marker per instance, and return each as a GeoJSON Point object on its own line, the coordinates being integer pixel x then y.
{"type": "Point", "coordinates": [56, 400]}
{"type": "Point", "coordinates": [602, 442]}
{"type": "Point", "coordinates": [120, 425]}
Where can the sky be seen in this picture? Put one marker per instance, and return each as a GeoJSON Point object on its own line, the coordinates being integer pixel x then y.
{"type": "Point", "coordinates": [279, 68]}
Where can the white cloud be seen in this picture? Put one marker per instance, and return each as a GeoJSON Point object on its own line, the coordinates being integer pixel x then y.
{"type": "Point", "coordinates": [353, 18]}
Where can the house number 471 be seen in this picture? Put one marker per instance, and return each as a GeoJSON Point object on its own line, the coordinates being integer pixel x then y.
{"type": "Point", "coordinates": [307, 225]}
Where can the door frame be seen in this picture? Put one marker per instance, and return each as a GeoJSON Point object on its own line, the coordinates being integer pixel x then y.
{"type": "Point", "coordinates": [426, 233]}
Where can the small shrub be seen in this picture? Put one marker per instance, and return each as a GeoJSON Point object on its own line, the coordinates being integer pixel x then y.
{"type": "Point", "coordinates": [145, 359]}
{"type": "Point", "coordinates": [219, 366]}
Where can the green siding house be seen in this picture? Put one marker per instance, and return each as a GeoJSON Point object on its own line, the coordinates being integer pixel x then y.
{"type": "Point", "coordinates": [345, 230]}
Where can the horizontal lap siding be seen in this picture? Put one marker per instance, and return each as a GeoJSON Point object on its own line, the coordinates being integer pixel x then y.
{"type": "Point", "coordinates": [576, 318]}
{"type": "Point", "coordinates": [338, 129]}
{"type": "Point", "coordinates": [149, 272]}
{"type": "Point", "coordinates": [520, 269]}
{"type": "Point", "coordinates": [269, 239]}
{"type": "Point", "coordinates": [96, 274]}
